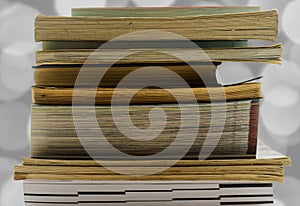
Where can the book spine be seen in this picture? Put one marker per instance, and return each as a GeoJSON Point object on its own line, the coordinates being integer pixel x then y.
{"type": "Point", "coordinates": [253, 128]}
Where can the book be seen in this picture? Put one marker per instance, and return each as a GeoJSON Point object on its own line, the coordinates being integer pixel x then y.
{"type": "Point", "coordinates": [228, 129]}
{"type": "Point", "coordinates": [103, 96]}
{"type": "Point", "coordinates": [268, 166]}
{"type": "Point", "coordinates": [236, 26]}
{"type": "Point", "coordinates": [263, 54]}
{"type": "Point", "coordinates": [150, 12]}
{"type": "Point", "coordinates": [211, 193]}
{"type": "Point", "coordinates": [66, 75]}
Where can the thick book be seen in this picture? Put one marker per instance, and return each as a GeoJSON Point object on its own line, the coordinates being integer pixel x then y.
{"type": "Point", "coordinates": [199, 75]}
{"type": "Point", "coordinates": [135, 193]}
{"type": "Point", "coordinates": [264, 54]}
{"type": "Point", "coordinates": [224, 129]}
{"type": "Point", "coordinates": [268, 166]}
{"type": "Point", "coordinates": [103, 96]}
{"type": "Point", "coordinates": [151, 12]}
{"type": "Point", "coordinates": [235, 26]}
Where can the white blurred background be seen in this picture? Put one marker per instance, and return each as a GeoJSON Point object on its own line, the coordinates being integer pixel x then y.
{"type": "Point", "coordinates": [280, 110]}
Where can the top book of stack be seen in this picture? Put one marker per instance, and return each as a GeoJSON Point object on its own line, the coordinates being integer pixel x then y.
{"type": "Point", "coordinates": [196, 23]}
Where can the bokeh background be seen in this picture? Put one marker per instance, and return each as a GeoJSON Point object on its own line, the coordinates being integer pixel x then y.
{"type": "Point", "coordinates": [280, 109]}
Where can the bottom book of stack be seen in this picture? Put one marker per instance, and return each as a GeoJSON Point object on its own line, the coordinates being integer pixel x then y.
{"type": "Point", "coordinates": [154, 193]}
{"type": "Point", "coordinates": [231, 182]}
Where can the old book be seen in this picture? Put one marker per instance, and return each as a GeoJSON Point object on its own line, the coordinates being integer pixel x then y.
{"type": "Point", "coordinates": [268, 166]}
{"type": "Point", "coordinates": [66, 75]}
{"type": "Point", "coordinates": [103, 96]}
{"type": "Point", "coordinates": [160, 11]}
{"type": "Point", "coordinates": [267, 54]}
{"type": "Point", "coordinates": [225, 129]}
{"type": "Point", "coordinates": [134, 193]}
{"type": "Point", "coordinates": [151, 12]}
{"type": "Point", "coordinates": [235, 26]}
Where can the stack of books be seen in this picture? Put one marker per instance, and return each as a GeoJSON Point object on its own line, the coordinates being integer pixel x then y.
{"type": "Point", "coordinates": [127, 109]}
